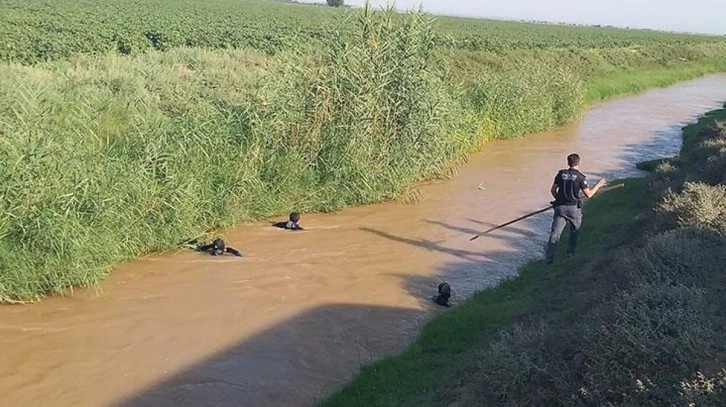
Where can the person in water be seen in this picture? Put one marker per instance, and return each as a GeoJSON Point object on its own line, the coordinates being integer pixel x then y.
{"type": "Point", "coordinates": [218, 248]}
{"type": "Point", "coordinates": [568, 207]}
{"type": "Point", "coordinates": [444, 295]}
{"type": "Point", "coordinates": [292, 224]}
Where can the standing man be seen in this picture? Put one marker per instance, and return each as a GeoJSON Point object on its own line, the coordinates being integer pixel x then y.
{"type": "Point", "coordinates": [568, 207]}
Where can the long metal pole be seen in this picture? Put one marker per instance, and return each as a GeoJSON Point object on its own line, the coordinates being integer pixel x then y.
{"type": "Point", "coordinates": [606, 189]}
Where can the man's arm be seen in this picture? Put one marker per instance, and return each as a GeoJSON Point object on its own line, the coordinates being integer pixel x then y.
{"type": "Point", "coordinates": [591, 192]}
{"type": "Point", "coordinates": [233, 251]}
{"type": "Point", "coordinates": [204, 248]}
{"type": "Point", "coordinates": [555, 184]}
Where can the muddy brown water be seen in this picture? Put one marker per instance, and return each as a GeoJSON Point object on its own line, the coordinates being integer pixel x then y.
{"type": "Point", "coordinates": [298, 315]}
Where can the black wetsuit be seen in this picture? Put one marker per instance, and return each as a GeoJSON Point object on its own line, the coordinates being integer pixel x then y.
{"type": "Point", "coordinates": [218, 248]}
{"type": "Point", "coordinates": [289, 225]}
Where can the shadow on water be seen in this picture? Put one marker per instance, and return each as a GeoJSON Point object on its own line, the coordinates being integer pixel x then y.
{"type": "Point", "coordinates": [245, 374]}
{"type": "Point", "coordinates": [347, 336]}
{"type": "Point", "coordinates": [466, 274]}
{"type": "Point", "coordinates": [472, 231]}
{"type": "Point", "coordinates": [350, 335]}
{"type": "Point", "coordinates": [429, 245]}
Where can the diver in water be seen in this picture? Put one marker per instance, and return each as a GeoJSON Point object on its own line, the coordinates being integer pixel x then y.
{"type": "Point", "coordinates": [218, 248]}
{"type": "Point", "coordinates": [444, 295]}
{"type": "Point", "coordinates": [291, 224]}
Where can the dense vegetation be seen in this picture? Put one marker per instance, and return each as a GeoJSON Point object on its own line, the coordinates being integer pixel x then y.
{"type": "Point", "coordinates": [39, 30]}
{"type": "Point", "coordinates": [109, 152]}
{"type": "Point", "coordinates": [637, 318]}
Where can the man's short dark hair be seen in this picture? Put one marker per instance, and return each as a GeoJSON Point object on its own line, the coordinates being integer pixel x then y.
{"type": "Point", "coordinates": [573, 160]}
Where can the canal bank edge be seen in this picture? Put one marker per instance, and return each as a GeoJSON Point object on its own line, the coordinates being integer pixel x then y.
{"type": "Point", "coordinates": [487, 347]}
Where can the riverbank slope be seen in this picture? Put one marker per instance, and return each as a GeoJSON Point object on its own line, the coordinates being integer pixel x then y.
{"type": "Point", "coordinates": [635, 318]}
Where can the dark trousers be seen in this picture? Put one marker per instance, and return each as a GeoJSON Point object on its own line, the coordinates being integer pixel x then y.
{"type": "Point", "coordinates": [564, 214]}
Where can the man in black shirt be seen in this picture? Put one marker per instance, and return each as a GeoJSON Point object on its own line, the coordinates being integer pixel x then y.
{"type": "Point", "coordinates": [568, 207]}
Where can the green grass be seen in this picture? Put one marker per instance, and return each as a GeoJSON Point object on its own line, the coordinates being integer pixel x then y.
{"type": "Point", "coordinates": [414, 377]}
{"type": "Point", "coordinates": [504, 36]}
{"type": "Point", "coordinates": [691, 133]}
{"type": "Point", "coordinates": [113, 154]}
{"type": "Point", "coordinates": [409, 378]}
{"type": "Point", "coordinates": [651, 165]}
{"type": "Point", "coordinates": [460, 358]}
{"type": "Point", "coordinates": [610, 85]}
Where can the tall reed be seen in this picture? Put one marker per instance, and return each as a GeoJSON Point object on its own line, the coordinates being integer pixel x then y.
{"type": "Point", "coordinates": [108, 157]}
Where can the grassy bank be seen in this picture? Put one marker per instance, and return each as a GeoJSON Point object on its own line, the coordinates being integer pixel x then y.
{"type": "Point", "coordinates": [110, 155]}
{"type": "Point", "coordinates": [614, 84]}
{"type": "Point", "coordinates": [636, 318]}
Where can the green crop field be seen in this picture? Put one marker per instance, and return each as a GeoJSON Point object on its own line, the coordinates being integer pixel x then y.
{"type": "Point", "coordinates": [38, 30]}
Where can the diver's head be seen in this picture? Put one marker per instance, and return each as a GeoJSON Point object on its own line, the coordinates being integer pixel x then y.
{"type": "Point", "coordinates": [295, 217]}
{"type": "Point", "coordinates": [445, 289]}
{"type": "Point", "coordinates": [218, 247]}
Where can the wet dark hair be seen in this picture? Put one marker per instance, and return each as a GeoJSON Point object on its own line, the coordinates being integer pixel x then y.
{"type": "Point", "coordinates": [294, 217]}
{"type": "Point", "coordinates": [444, 294]}
{"type": "Point", "coordinates": [218, 247]}
{"type": "Point", "coordinates": [573, 160]}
